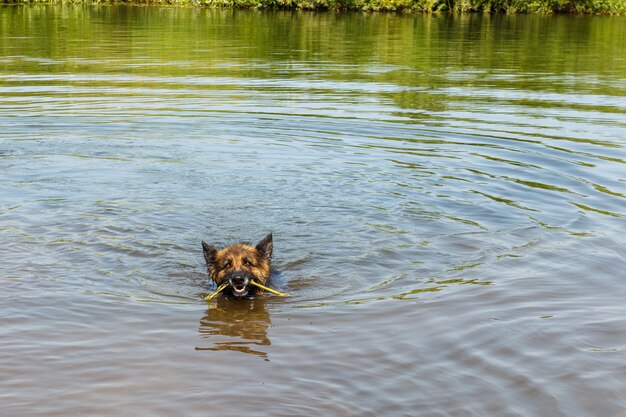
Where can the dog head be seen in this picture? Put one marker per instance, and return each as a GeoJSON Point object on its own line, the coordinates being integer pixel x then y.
{"type": "Point", "coordinates": [238, 264]}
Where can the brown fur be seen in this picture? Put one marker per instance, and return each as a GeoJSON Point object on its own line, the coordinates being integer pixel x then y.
{"type": "Point", "coordinates": [252, 261]}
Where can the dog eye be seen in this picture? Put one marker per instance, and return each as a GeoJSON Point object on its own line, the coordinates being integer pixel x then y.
{"type": "Point", "coordinates": [228, 264]}
{"type": "Point", "coordinates": [247, 262]}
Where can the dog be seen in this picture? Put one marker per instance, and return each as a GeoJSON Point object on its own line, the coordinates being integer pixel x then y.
{"type": "Point", "coordinates": [239, 264]}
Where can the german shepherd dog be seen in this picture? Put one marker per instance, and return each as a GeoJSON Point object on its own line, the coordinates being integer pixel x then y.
{"type": "Point", "coordinates": [238, 264]}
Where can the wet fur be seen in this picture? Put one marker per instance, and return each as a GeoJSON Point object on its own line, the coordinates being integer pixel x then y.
{"type": "Point", "coordinates": [254, 261]}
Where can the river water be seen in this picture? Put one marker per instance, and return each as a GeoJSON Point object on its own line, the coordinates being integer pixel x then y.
{"type": "Point", "coordinates": [447, 197]}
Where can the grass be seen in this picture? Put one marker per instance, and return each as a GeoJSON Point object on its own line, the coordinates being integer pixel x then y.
{"type": "Point", "coordinates": [603, 7]}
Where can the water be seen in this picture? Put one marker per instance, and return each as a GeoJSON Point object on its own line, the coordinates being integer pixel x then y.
{"type": "Point", "coordinates": [447, 197]}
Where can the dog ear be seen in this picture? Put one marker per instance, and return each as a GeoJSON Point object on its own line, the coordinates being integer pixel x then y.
{"type": "Point", "coordinates": [210, 252]}
{"type": "Point", "coordinates": [265, 246]}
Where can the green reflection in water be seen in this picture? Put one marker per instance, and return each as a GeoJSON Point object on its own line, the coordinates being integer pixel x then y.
{"type": "Point", "coordinates": [238, 43]}
{"type": "Point", "coordinates": [597, 210]}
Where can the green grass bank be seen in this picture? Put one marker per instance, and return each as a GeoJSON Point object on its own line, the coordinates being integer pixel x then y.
{"type": "Point", "coordinates": [598, 7]}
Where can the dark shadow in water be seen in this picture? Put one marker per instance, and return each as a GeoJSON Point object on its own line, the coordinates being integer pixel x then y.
{"type": "Point", "coordinates": [236, 325]}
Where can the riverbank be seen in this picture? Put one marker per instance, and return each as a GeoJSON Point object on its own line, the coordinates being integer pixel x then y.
{"type": "Point", "coordinates": [600, 7]}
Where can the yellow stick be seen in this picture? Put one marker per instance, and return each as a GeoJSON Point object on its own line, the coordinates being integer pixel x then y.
{"type": "Point", "coordinates": [263, 287]}
{"type": "Point", "coordinates": [219, 290]}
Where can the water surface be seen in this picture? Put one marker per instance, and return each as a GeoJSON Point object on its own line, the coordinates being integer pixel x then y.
{"type": "Point", "coordinates": [447, 197]}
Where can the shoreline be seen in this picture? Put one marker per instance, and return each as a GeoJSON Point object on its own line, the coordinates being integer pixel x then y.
{"type": "Point", "coordinates": [491, 7]}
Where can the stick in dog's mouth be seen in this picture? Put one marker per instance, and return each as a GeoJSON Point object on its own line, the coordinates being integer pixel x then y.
{"type": "Point", "coordinates": [217, 291]}
{"type": "Point", "coordinates": [264, 288]}
{"type": "Point", "coordinates": [252, 282]}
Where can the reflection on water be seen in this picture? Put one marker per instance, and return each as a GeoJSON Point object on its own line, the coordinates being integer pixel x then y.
{"type": "Point", "coordinates": [237, 325]}
{"type": "Point", "coordinates": [446, 195]}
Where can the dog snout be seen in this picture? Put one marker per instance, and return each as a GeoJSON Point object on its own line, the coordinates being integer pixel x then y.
{"type": "Point", "coordinates": [238, 279]}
